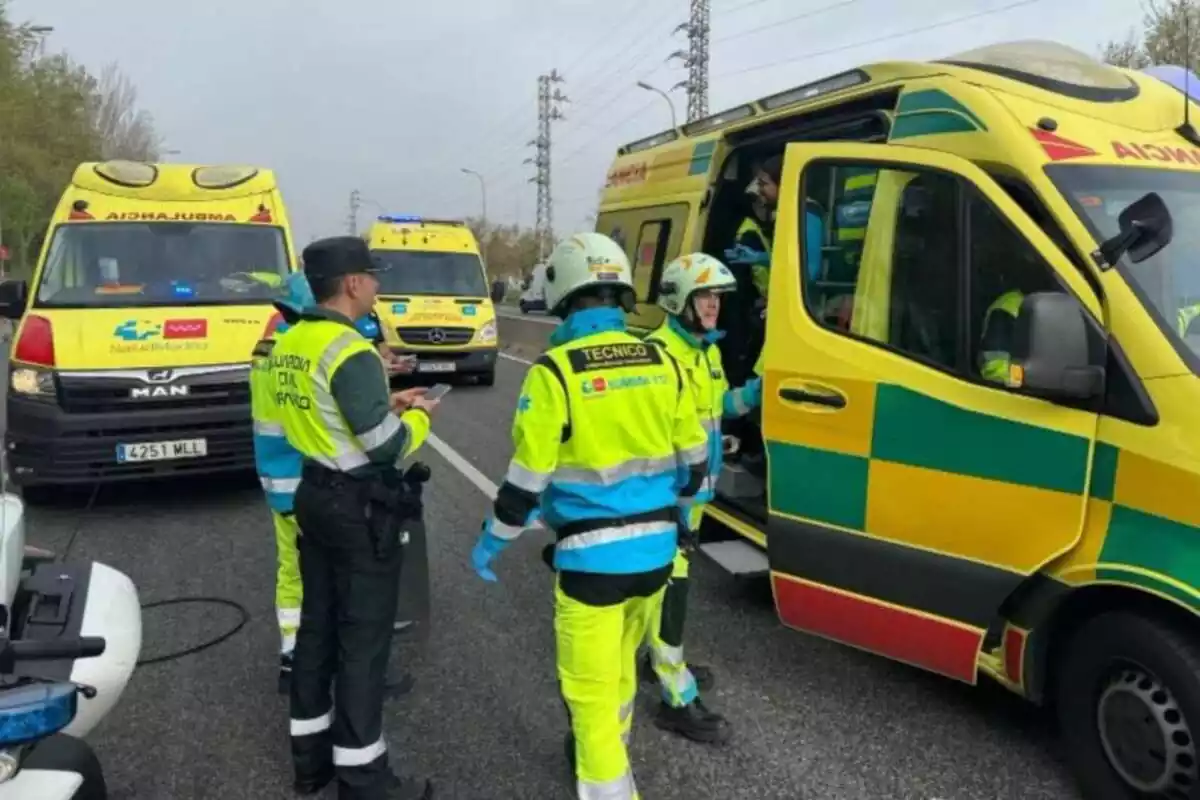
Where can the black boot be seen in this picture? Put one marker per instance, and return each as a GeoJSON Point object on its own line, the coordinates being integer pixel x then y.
{"type": "Point", "coordinates": [702, 674]}
{"type": "Point", "coordinates": [694, 721]}
{"type": "Point", "coordinates": [285, 673]}
{"type": "Point", "coordinates": [409, 789]}
{"type": "Point", "coordinates": [307, 786]}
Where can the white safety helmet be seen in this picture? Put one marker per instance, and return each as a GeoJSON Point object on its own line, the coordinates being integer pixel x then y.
{"type": "Point", "coordinates": [587, 260]}
{"type": "Point", "coordinates": [697, 272]}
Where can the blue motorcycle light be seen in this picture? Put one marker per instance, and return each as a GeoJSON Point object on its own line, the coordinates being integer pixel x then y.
{"type": "Point", "coordinates": [28, 713]}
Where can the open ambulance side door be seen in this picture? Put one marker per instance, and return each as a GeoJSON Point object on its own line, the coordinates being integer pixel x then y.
{"type": "Point", "coordinates": [908, 494]}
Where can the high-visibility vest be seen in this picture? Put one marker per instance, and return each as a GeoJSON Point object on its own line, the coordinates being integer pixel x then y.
{"type": "Point", "coordinates": [625, 428]}
{"type": "Point", "coordinates": [704, 373]}
{"type": "Point", "coordinates": [759, 274]}
{"type": "Point", "coordinates": [1187, 315]}
{"type": "Point", "coordinates": [303, 363]}
{"type": "Point", "coordinates": [994, 363]}
{"type": "Point", "coordinates": [278, 463]}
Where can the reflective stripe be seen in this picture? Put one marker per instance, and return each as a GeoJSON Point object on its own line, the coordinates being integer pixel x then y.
{"type": "Point", "coordinates": [621, 788]}
{"type": "Point", "coordinates": [287, 645]}
{"type": "Point", "coordinates": [347, 455]}
{"type": "Point", "coordinates": [668, 655]}
{"type": "Point", "coordinates": [634, 468]}
{"type": "Point", "coordinates": [308, 727]}
{"type": "Point", "coordinates": [379, 435]}
{"type": "Point", "coordinates": [268, 428]}
{"type": "Point", "coordinates": [621, 533]}
{"type": "Point", "coordinates": [288, 616]}
{"type": "Point", "coordinates": [713, 424]}
{"type": "Point", "coordinates": [694, 455]}
{"type": "Point", "coordinates": [280, 485]}
{"type": "Point", "coordinates": [359, 756]}
{"type": "Point", "coordinates": [507, 532]}
{"type": "Point", "coordinates": [526, 479]}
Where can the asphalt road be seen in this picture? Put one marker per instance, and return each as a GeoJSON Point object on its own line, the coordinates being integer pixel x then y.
{"type": "Point", "coordinates": [813, 719]}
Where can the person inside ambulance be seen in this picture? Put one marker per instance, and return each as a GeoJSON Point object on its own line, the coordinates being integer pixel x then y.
{"type": "Point", "coordinates": [752, 242]}
{"type": "Point", "coordinates": [690, 292]}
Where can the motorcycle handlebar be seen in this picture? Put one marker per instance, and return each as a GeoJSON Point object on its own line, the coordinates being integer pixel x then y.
{"type": "Point", "coordinates": [55, 649]}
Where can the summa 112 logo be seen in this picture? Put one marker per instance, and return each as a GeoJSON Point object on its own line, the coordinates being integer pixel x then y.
{"type": "Point", "coordinates": [185, 329]}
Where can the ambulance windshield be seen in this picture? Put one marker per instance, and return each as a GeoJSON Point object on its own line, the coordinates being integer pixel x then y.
{"type": "Point", "coordinates": [1169, 281]}
{"type": "Point", "coordinates": [428, 272]}
{"type": "Point", "coordinates": [128, 264]}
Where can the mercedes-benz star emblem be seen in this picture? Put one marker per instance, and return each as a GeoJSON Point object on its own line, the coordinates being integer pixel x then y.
{"type": "Point", "coordinates": [437, 336]}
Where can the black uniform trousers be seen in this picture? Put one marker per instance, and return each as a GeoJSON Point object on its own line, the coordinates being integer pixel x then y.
{"type": "Point", "coordinates": [350, 595]}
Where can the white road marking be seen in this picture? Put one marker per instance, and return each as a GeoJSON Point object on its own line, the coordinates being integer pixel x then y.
{"type": "Point", "coordinates": [519, 317]}
{"type": "Point", "coordinates": [468, 470]}
{"type": "Point", "coordinates": [518, 360]}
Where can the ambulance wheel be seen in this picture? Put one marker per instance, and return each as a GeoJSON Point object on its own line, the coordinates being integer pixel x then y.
{"type": "Point", "coordinates": [1128, 698]}
{"type": "Point", "coordinates": [487, 378]}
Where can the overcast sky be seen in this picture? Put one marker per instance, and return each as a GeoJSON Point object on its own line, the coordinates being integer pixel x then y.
{"type": "Point", "coordinates": [395, 97]}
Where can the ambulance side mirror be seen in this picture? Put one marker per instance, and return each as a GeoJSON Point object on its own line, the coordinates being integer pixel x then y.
{"type": "Point", "coordinates": [1146, 227]}
{"type": "Point", "coordinates": [1057, 352]}
{"type": "Point", "coordinates": [13, 296]}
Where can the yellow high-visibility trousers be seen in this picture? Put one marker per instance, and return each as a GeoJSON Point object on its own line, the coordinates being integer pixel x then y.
{"type": "Point", "coordinates": [289, 590]}
{"type": "Point", "coordinates": [665, 635]}
{"type": "Point", "coordinates": [597, 671]}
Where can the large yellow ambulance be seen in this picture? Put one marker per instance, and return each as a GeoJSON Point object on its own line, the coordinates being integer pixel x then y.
{"type": "Point", "coordinates": [434, 298]}
{"type": "Point", "coordinates": [981, 378]}
{"type": "Point", "coordinates": [132, 341]}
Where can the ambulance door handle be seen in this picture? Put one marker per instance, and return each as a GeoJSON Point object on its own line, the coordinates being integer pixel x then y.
{"type": "Point", "coordinates": [801, 396]}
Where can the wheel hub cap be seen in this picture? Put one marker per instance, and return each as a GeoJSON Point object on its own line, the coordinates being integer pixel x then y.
{"type": "Point", "coordinates": [1145, 735]}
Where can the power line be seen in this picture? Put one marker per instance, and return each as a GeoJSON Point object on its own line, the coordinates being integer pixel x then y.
{"type": "Point", "coordinates": [789, 20]}
{"type": "Point", "coordinates": [887, 38]}
{"type": "Point", "coordinates": [723, 11]}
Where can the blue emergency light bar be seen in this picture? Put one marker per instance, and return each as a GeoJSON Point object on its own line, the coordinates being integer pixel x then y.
{"type": "Point", "coordinates": [399, 218]}
{"type": "Point", "coordinates": [36, 711]}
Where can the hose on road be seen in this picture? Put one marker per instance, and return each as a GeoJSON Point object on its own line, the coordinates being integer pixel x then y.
{"type": "Point", "coordinates": [243, 612]}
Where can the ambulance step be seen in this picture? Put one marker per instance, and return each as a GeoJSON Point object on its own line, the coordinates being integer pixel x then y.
{"type": "Point", "coordinates": [737, 557]}
{"type": "Point", "coordinates": [736, 481]}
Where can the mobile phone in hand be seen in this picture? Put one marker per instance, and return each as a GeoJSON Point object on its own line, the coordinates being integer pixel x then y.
{"type": "Point", "coordinates": [436, 392]}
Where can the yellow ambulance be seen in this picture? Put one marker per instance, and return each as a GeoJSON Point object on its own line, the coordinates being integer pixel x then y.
{"type": "Point", "coordinates": [434, 298]}
{"type": "Point", "coordinates": [130, 355]}
{"type": "Point", "coordinates": [981, 416]}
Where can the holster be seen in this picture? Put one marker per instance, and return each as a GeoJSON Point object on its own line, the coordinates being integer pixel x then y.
{"type": "Point", "coordinates": [389, 502]}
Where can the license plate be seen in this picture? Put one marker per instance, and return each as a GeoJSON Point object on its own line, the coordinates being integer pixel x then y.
{"type": "Point", "coordinates": [162, 451]}
{"type": "Point", "coordinates": [436, 366]}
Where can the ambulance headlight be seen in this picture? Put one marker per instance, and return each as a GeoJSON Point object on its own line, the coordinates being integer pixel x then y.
{"type": "Point", "coordinates": [10, 762]}
{"type": "Point", "coordinates": [30, 713]}
{"type": "Point", "coordinates": [487, 333]}
{"type": "Point", "coordinates": [32, 382]}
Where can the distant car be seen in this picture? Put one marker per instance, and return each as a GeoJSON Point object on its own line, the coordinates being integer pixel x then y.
{"type": "Point", "coordinates": [534, 296]}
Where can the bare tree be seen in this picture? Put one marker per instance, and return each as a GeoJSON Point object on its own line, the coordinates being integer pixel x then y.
{"type": "Point", "coordinates": [1170, 35]}
{"type": "Point", "coordinates": [124, 130]}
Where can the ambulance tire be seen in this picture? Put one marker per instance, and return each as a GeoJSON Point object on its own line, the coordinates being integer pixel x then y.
{"type": "Point", "coordinates": [487, 378]}
{"type": "Point", "coordinates": [1130, 684]}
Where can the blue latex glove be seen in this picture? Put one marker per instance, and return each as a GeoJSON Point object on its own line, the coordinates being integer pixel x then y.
{"type": "Point", "coordinates": [741, 254]}
{"type": "Point", "coordinates": [752, 392]}
{"type": "Point", "coordinates": [487, 548]}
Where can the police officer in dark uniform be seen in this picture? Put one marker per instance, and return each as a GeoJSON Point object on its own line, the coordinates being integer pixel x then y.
{"type": "Point", "coordinates": [353, 506]}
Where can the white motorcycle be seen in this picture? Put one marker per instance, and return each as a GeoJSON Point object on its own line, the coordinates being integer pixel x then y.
{"type": "Point", "coordinates": [70, 636]}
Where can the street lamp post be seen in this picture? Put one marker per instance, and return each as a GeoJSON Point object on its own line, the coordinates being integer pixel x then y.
{"type": "Point", "coordinates": [665, 96]}
{"type": "Point", "coordinates": [482, 190]}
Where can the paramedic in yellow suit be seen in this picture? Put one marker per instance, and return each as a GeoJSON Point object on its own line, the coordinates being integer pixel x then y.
{"type": "Point", "coordinates": [690, 292]}
{"type": "Point", "coordinates": [604, 428]}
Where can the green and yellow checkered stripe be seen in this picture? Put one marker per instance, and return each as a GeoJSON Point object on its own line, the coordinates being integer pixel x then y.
{"type": "Point", "coordinates": [878, 469]}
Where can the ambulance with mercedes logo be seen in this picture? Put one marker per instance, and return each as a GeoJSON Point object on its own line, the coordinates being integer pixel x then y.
{"type": "Point", "coordinates": [130, 355]}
